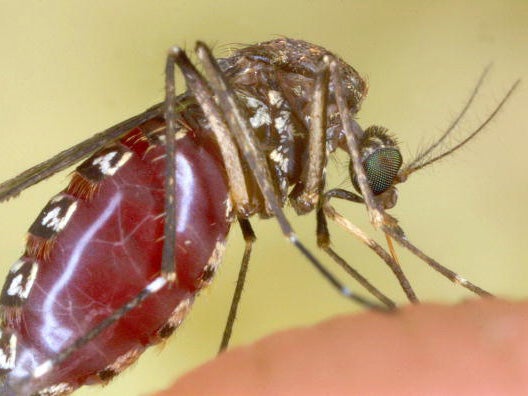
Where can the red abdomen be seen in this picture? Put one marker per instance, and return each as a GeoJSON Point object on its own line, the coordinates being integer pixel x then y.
{"type": "Point", "coordinates": [98, 244]}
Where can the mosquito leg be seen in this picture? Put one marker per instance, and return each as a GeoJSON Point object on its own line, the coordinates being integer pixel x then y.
{"type": "Point", "coordinates": [323, 241]}
{"type": "Point", "coordinates": [343, 222]}
{"type": "Point", "coordinates": [343, 194]}
{"type": "Point", "coordinates": [248, 145]}
{"type": "Point", "coordinates": [227, 146]}
{"type": "Point", "coordinates": [307, 193]}
{"type": "Point", "coordinates": [228, 152]}
{"type": "Point", "coordinates": [330, 212]}
{"type": "Point", "coordinates": [352, 133]}
{"type": "Point", "coordinates": [168, 260]}
{"type": "Point", "coordinates": [249, 237]}
{"type": "Point", "coordinates": [401, 238]}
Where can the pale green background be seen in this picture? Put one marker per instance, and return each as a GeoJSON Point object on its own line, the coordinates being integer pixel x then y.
{"type": "Point", "coordinates": [71, 68]}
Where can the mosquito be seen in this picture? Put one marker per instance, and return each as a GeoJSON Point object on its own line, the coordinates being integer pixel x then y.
{"type": "Point", "coordinates": [113, 262]}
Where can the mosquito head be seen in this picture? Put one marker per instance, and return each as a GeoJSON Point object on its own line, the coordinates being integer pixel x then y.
{"type": "Point", "coordinates": [381, 159]}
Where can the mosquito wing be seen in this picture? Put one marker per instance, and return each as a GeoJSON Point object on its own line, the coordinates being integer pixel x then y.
{"type": "Point", "coordinates": [12, 187]}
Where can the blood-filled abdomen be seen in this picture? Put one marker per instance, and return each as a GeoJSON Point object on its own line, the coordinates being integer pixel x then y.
{"type": "Point", "coordinates": [95, 246]}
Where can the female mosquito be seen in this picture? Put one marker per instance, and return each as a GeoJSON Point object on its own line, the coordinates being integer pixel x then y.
{"type": "Point", "coordinates": [113, 262]}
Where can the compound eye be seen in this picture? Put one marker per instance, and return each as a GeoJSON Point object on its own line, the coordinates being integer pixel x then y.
{"type": "Point", "coordinates": [381, 167]}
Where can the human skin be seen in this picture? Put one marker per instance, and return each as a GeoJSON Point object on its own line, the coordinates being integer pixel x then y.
{"type": "Point", "coordinates": [478, 347]}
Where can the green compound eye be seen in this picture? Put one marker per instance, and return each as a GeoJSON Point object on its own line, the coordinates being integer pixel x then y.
{"type": "Point", "coordinates": [381, 167]}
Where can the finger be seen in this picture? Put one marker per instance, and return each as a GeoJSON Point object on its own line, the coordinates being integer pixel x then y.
{"type": "Point", "coordinates": [478, 347]}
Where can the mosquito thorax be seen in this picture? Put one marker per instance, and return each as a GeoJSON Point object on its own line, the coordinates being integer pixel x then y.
{"type": "Point", "coordinates": [381, 159]}
{"type": "Point", "coordinates": [274, 82]}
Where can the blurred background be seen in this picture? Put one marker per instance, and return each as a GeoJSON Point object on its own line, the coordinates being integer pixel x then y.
{"type": "Point", "coordinates": [69, 69]}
